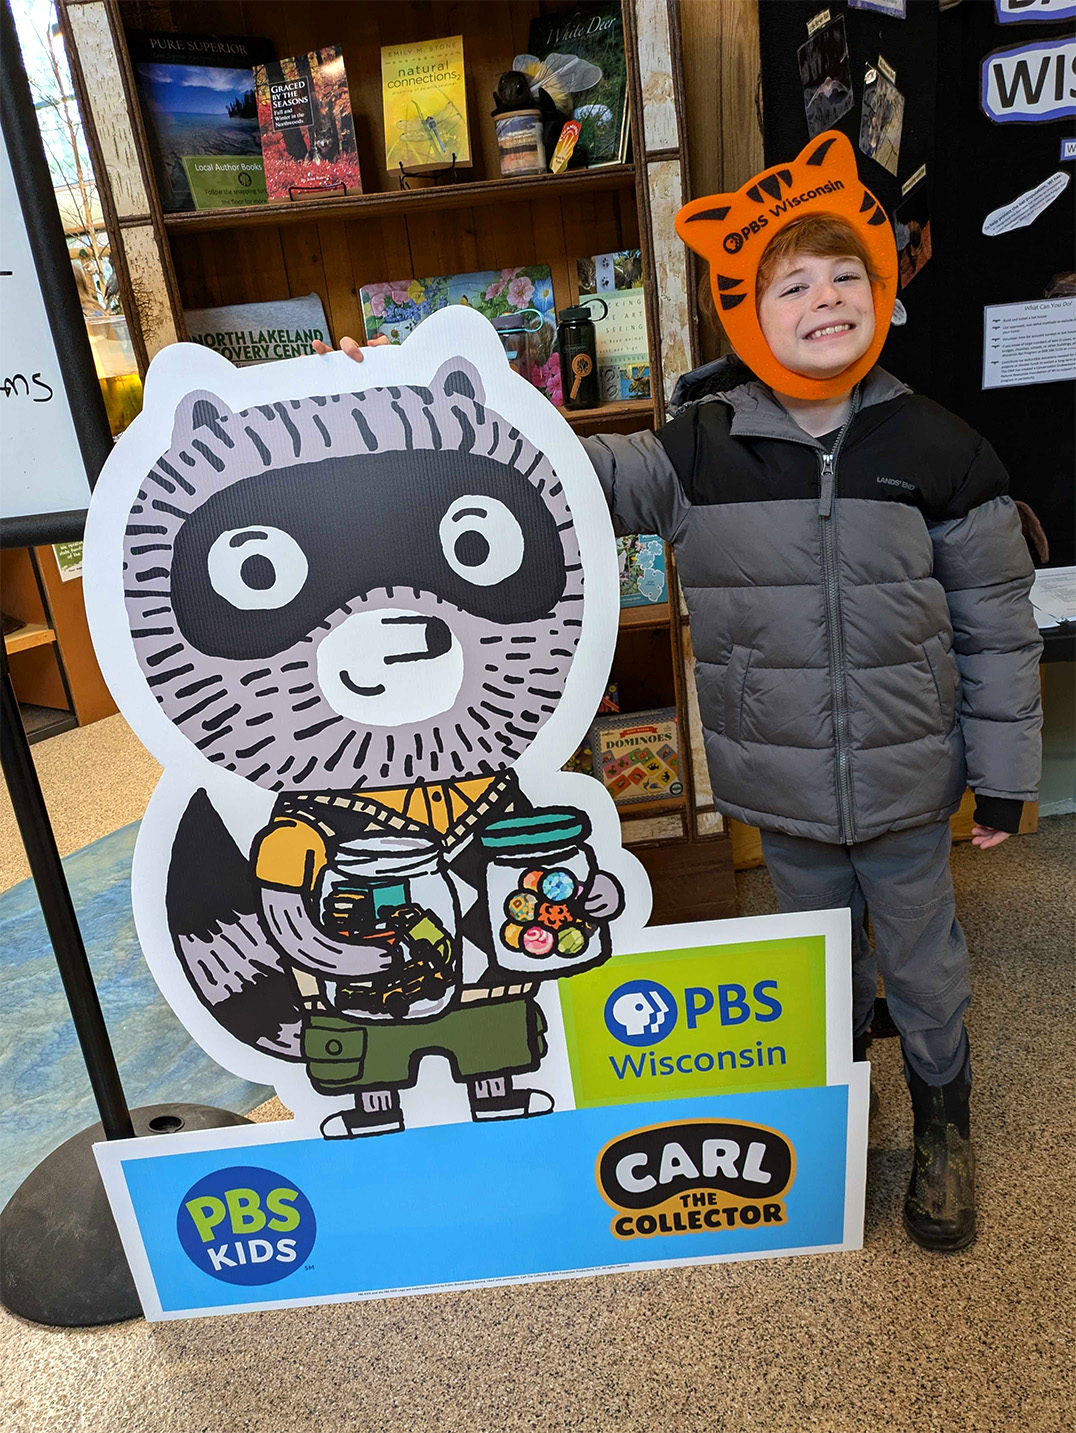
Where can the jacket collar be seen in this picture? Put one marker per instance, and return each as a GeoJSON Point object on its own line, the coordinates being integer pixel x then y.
{"type": "Point", "coordinates": [756, 413]}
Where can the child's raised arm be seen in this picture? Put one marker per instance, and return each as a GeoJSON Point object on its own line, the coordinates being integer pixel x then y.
{"type": "Point", "coordinates": [640, 483]}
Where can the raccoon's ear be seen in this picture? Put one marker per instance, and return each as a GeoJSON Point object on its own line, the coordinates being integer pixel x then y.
{"type": "Point", "coordinates": [458, 378]}
{"type": "Point", "coordinates": [201, 419]}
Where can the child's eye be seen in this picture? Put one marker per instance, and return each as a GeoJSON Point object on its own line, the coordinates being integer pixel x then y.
{"type": "Point", "coordinates": [841, 277]}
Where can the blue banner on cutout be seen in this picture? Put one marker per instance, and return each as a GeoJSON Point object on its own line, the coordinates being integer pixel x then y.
{"type": "Point", "coordinates": [309, 1220]}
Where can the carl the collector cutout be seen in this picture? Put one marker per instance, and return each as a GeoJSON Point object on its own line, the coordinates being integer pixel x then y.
{"type": "Point", "coordinates": [362, 615]}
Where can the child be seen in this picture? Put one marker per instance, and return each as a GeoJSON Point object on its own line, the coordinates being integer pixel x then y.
{"type": "Point", "coordinates": [857, 586]}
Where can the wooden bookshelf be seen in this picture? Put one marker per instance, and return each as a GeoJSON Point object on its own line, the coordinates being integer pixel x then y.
{"type": "Point", "coordinates": [334, 246]}
{"type": "Point", "coordinates": [34, 634]}
{"type": "Point", "coordinates": [545, 188]}
{"type": "Point", "coordinates": [654, 614]}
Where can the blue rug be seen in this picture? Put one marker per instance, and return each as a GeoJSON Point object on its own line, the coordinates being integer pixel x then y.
{"type": "Point", "coordinates": [45, 1092]}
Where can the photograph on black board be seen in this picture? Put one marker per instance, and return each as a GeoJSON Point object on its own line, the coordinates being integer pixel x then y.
{"type": "Point", "coordinates": [911, 222]}
{"type": "Point", "coordinates": [826, 77]}
{"type": "Point", "coordinates": [882, 122]}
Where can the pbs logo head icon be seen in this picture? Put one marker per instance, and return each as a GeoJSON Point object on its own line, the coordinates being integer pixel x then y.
{"type": "Point", "coordinates": [640, 1012]}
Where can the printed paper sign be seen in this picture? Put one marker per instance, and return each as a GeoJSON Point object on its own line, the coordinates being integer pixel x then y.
{"type": "Point", "coordinates": [362, 615]}
{"type": "Point", "coordinates": [1009, 12]}
{"type": "Point", "coordinates": [1031, 83]}
{"type": "Point", "coordinates": [1068, 149]}
{"type": "Point", "coordinates": [1032, 342]}
{"type": "Point", "coordinates": [1027, 208]}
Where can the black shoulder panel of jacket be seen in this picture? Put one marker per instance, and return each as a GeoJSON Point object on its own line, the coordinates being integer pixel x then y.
{"type": "Point", "coordinates": [962, 468]}
{"type": "Point", "coordinates": [714, 467]}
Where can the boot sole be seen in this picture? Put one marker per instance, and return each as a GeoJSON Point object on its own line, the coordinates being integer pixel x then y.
{"type": "Point", "coordinates": [934, 1247]}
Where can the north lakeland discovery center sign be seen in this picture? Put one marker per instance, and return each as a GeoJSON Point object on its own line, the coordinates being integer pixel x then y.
{"type": "Point", "coordinates": [362, 616]}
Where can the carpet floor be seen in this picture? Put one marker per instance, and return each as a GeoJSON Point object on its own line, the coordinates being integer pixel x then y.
{"type": "Point", "coordinates": [888, 1338]}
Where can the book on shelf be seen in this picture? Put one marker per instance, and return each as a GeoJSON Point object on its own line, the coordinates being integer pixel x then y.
{"type": "Point", "coordinates": [425, 106]}
{"type": "Point", "coordinates": [637, 755]}
{"type": "Point", "coordinates": [623, 269]}
{"type": "Point", "coordinates": [582, 759]}
{"type": "Point", "coordinates": [196, 93]}
{"type": "Point", "coordinates": [595, 37]}
{"type": "Point", "coordinates": [248, 334]}
{"type": "Point", "coordinates": [641, 559]}
{"type": "Point", "coordinates": [307, 132]}
{"type": "Point", "coordinates": [621, 344]}
{"type": "Point", "coordinates": [396, 307]}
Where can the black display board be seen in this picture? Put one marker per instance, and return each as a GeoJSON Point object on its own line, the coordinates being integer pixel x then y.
{"type": "Point", "coordinates": [974, 166]}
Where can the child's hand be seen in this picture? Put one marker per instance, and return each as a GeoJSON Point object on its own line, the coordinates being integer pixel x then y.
{"type": "Point", "coordinates": [350, 347]}
{"type": "Point", "coordinates": [985, 836]}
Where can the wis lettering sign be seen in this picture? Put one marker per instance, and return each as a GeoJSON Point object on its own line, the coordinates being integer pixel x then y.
{"type": "Point", "coordinates": [362, 616]}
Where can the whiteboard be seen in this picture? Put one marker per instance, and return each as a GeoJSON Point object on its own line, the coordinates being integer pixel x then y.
{"type": "Point", "coordinates": [41, 467]}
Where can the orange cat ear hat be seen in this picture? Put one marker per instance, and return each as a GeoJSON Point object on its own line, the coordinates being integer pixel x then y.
{"type": "Point", "coordinates": [731, 231]}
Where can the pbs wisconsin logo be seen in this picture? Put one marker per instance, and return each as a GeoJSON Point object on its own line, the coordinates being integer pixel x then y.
{"type": "Point", "coordinates": [640, 1012]}
{"type": "Point", "coordinates": [246, 1225]}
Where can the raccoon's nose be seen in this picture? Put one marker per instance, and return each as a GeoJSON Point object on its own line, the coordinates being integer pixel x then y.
{"type": "Point", "coordinates": [432, 638]}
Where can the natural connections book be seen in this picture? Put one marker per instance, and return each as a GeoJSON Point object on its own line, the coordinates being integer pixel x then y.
{"type": "Point", "coordinates": [637, 755]}
{"type": "Point", "coordinates": [641, 558]}
{"type": "Point", "coordinates": [260, 333]}
{"type": "Point", "coordinates": [425, 105]}
{"type": "Point", "coordinates": [308, 137]}
{"type": "Point", "coordinates": [394, 308]}
{"type": "Point", "coordinates": [596, 37]}
{"type": "Point", "coordinates": [198, 103]}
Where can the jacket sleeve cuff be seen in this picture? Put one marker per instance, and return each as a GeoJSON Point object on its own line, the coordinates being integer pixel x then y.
{"type": "Point", "coordinates": [1001, 813]}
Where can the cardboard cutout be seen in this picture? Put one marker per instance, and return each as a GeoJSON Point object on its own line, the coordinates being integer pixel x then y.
{"type": "Point", "coordinates": [731, 232]}
{"type": "Point", "coordinates": [362, 615]}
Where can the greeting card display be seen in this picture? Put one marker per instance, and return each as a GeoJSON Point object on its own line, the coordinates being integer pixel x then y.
{"type": "Point", "coordinates": [308, 137]}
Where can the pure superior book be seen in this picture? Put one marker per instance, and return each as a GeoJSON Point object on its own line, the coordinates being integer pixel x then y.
{"type": "Point", "coordinates": [308, 136]}
{"type": "Point", "coordinates": [198, 103]}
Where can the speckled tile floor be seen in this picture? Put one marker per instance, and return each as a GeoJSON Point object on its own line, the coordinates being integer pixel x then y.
{"type": "Point", "coordinates": [889, 1338]}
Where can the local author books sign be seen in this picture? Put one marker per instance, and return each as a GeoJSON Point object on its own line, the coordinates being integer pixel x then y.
{"type": "Point", "coordinates": [345, 608]}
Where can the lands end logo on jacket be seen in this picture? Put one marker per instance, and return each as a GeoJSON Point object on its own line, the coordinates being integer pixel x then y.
{"type": "Point", "coordinates": [702, 1175]}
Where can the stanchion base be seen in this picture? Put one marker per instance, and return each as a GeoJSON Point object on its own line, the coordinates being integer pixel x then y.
{"type": "Point", "coordinates": [61, 1261]}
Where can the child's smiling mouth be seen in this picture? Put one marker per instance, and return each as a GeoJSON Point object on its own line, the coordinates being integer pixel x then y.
{"type": "Point", "coordinates": [833, 330]}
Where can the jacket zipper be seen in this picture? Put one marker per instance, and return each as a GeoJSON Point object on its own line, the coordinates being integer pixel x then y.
{"type": "Point", "coordinates": [838, 667]}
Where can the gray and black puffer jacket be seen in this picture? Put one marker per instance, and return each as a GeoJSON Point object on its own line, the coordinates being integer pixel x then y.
{"type": "Point", "coordinates": [860, 620]}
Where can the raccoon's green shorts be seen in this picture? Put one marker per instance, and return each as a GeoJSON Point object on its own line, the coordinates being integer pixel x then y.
{"type": "Point", "coordinates": [484, 1038]}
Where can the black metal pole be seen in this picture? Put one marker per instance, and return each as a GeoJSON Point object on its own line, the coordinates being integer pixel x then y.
{"type": "Point", "coordinates": [60, 919]}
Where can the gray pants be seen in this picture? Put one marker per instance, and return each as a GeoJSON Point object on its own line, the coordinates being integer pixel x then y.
{"type": "Point", "coordinates": [903, 879]}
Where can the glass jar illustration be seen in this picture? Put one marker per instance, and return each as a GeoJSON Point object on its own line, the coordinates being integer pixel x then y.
{"type": "Point", "coordinates": [393, 892]}
{"type": "Point", "coordinates": [538, 872]}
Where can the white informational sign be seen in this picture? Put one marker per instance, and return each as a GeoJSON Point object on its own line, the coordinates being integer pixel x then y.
{"type": "Point", "coordinates": [1033, 342]}
{"type": "Point", "coordinates": [1053, 596]}
{"type": "Point", "coordinates": [362, 614]}
{"type": "Point", "coordinates": [43, 471]}
{"type": "Point", "coordinates": [1030, 83]}
{"type": "Point", "coordinates": [1027, 208]}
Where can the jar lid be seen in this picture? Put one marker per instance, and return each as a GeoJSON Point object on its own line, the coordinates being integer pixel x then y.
{"type": "Point", "coordinates": [576, 313]}
{"type": "Point", "coordinates": [544, 831]}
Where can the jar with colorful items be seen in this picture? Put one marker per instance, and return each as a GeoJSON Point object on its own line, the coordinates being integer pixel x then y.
{"type": "Point", "coordinates": [538, 873]}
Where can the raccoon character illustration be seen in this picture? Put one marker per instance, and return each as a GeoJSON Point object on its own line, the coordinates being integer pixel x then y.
{"type": "Point", "coordinates": [367, 605]}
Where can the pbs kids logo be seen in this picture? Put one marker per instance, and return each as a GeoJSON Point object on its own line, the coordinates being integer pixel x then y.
{"type": "Point", "coordinates": [246, 1225]}
{"type": "Point", "coordinates": [640, 1012]}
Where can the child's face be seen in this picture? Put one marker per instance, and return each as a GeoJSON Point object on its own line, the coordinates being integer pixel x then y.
{"type": "Point", "coordinates": [817, 315]}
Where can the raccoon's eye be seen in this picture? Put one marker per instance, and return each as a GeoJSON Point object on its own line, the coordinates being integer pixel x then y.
{"type": "Point", "coordinates": [481, 540]}
{"type": "Point", "coordinates": [255, 568]}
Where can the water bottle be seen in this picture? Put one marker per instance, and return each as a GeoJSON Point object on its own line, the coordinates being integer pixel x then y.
{"type": "Point", "coordinates": [576, 344]}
